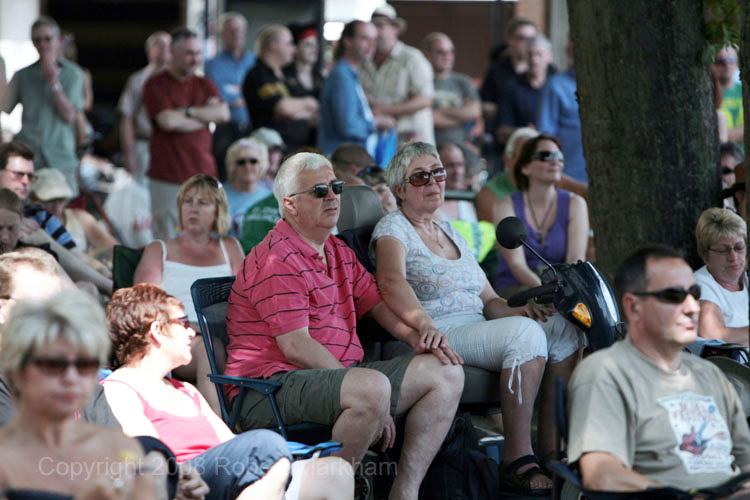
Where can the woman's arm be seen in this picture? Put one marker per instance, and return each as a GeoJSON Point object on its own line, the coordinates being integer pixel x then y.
{"type": "Point", "coordinates": [515, 258]}
{"type": "Point", "coordinates": [390, 255]}
{"type": "Point", "coordinates": [234, 250]}
{"type": "Point", "coordinates": [128, 410]}
{"type": "Point", "coordinates": [149, 268]}
{"type": "Point", "coordinates": [497, 307]}
{"type": "Point", "coordinates": [578, 230]}
{"type": "Point", "coordinates": [711, 325]}
{"type": "Point", "coordinates": [96, 236]}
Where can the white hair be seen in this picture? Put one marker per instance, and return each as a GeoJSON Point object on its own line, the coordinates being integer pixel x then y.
{"type": "Point", "coordinates": [284, 184]}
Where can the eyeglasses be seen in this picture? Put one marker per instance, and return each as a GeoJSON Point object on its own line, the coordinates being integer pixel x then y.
{"type": "Point", "coordinates": [245, 161]}
{"type": "Point", "coordinates": [548, 156]}
{"type": "Point", "coordinates": [20, 175]}
{"type": "Point", "coordinates": [183, 321]}
{"type": "Point", "coordinates": [726, 170]}
{"type": "Point", "coordinates": [58, 366]}
{"type": "Point", "coordinates": [371, 170]}
{"type": "Point", "coordinates": [673, 295]}
{"type": "Point", "coordinates": [321, 190]}
{"type": "Point", "coordinates": [725, 250]}
{"type": "Point", "coordinates": [38, 39]}
{"type": "Point", "coordinates": [423, 178]}
{"type": "Point", "coordinates": [722, 61]}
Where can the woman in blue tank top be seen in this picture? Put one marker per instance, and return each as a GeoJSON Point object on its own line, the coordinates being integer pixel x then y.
{"type": "Point", "coordinates": [557, 221]}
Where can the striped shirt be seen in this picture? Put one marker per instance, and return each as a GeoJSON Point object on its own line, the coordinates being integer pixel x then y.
{"type": "Point", "coordinates": [283, 285]}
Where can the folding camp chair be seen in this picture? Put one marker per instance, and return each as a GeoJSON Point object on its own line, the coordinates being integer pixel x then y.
{"type": "Point", "coordinates": [124, 262]}
{"type": "Point", "coordinates": [210, 298]}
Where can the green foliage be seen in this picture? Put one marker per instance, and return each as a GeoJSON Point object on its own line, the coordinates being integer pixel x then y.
{"type": "Point", "coordinates": [722, 27]}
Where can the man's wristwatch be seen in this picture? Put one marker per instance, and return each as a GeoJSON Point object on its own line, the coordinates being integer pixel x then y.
{"type": "Point", "coordinates": [57, 87]}
{"type": "Point", "coordinates": [188, 111]}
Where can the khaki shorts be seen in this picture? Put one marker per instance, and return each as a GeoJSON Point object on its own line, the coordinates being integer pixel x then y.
{"type": "Point", "coordinates": [314, 395]}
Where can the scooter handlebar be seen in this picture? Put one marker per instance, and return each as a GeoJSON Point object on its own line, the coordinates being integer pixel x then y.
{"type": "Point", "coordinates": [521, 298]}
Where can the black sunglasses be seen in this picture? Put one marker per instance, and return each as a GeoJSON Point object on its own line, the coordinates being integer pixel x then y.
{"type": "Point", "coordinates": [726, 170]}
{"type": "Point", "coordinates": [548, 156]}
{"type": "Point", "coordinates": [58, 366]}
{"type": "Point", "coordinates": [183, 321]}
{"type": "Point", "coordinates": [371, 170]}
{"type": "Point", "coordinates": [423, 178]}
{"type": "Point", "coordinates": [673, 294]}
{"type": "Point", "coordinates": [245, 161]}
{"type": "Point", "coordinates": [321, 190]}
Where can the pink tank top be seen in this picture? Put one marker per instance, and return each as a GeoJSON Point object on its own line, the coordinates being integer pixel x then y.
{"type": "Point", "coordinates": [187, 437]}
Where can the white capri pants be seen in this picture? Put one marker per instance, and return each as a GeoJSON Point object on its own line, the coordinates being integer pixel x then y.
{"type": "Point", "coordinates": [504, 342]}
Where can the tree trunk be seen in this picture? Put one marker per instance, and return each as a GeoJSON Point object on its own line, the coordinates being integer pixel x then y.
{"type": "Point", "coordinates": [648, 123]}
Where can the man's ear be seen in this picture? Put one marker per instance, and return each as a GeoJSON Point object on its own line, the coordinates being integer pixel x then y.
{"type": "Point", "coordinates": [289, 206]}
{"type": "Point", "coordinates": [632, 307]}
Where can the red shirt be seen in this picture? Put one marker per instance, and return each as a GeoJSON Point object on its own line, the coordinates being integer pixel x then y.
{"type": "Point", "coordinates": [283, 285]}
{"type": "Point", "coordinates": [177, 156]}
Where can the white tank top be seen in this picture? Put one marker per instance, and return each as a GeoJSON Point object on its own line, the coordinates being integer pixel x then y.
{"type": "Point", "coordinates": [176, 278]}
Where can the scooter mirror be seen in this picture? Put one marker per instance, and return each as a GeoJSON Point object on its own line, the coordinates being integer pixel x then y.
{"type": "Point", "coordinates": [511, 232]}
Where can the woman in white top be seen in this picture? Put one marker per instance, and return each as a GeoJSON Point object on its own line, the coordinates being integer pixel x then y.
{"type": "Point", "coordinates": [200, 251]}
{"type": "Point", "coordinates": [721, 235]}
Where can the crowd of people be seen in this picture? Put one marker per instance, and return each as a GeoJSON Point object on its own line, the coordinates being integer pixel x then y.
{"type": "Point", "coordinates": [241, 163]}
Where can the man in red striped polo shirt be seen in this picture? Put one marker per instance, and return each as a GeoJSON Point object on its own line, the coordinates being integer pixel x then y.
{"type": "Point", "coordinates": [292, 318]}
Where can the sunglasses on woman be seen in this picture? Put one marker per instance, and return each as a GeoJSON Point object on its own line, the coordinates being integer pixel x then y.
{"type": "Point", "coordinates": [673, 294]}
{"type": "Point", "coordinates": [321, 190]}
{"type": "Point", "coordinates": [58, 366]}
{"type": "Point", "coordinates": [548, 156]}
{"type": "Point", "coordinates": [246, 161]}
{"type": "Point", "coordinates": [423, 178]}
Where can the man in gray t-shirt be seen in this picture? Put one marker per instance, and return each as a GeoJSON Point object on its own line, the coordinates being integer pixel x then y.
{"type": "Point", "coordinates": [456, 104]}
{"type": "Point", "coordinates": [643, 413]}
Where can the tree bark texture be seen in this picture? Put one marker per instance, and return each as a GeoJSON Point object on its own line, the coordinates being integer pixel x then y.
{"type": "Point", "coordinates": [744, 56]}
{"type": "Point", "coordinates": [648, 123]}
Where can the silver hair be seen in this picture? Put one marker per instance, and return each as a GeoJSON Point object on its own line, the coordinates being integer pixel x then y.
{"type": "Point", "coordinates": [539, 40]}
{"type": "Point", "coordinates": [519, 133]}
{"type": "Point", "coordinates": [284, 184]}
{"type": "Point", "coordinates": [395, 174]}
{"type": "Point", "coordinates": [46, 21]}
{"type": "Point", "coordinates": [72, 316]}
{"type": "Point", "coordinates": [228, 16]}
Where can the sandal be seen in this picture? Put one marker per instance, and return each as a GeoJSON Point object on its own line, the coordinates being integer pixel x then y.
{"type": "Point", "coordinates": [521, 483]}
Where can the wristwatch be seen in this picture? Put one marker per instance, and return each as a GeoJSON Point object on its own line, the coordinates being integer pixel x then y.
{"type": "Point", "coordinates": [57, 87]}
{"type": "Point", "coordinates": [188, 111]}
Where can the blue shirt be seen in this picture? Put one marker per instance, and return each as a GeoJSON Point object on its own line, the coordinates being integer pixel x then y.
{"type": "Point", "coordinates": [228, 75]}
{"type": "Point", "coordinates": [238, 203]}
{"type": "Point", "coordinates": [345, 115]}
{"type": "Point", "coordinates": [558, 115]}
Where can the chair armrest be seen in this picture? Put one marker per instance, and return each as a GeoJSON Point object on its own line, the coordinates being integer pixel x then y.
{"type": "Point", "coordinates": [256, 384]}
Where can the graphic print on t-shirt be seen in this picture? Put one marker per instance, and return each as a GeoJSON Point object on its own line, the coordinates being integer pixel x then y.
{"type": "Point", "coordinates": [703, 441]}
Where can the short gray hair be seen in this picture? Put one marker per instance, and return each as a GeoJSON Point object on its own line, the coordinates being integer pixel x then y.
{"type": "Point", "coordinates": [46, 21]}
{"type": "Point", "coordinates": [716, 223]}
{"type": "Point", "coordinates": [228, 16]}
{"type": "Point", "coordinates": [539, 39]}
{"type": "Point", "coordinates": [73, 316]}
{"type": "Point", "coordinates": [284, 183]}
{"type": "Point", "coordinates": [519, 133]}
{"type": "Point", "coordinates": [395, 174]}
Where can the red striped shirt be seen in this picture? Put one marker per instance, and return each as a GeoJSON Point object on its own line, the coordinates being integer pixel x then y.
{"type": "Point", "coordinates": [283, 285]}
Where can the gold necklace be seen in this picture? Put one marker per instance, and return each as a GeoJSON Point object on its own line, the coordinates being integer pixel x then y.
{"type": "Point", "coordinates": [540, 227]}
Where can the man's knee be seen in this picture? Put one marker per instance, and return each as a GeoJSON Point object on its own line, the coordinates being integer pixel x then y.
{"type": "Point", "coordinates": [440, 376]}
{"type": "Point", "coordinates": [366, 390]}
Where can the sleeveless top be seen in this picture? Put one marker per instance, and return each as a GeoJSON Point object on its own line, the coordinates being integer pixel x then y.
{"type": "Point", "coordinates": [187, 437]}
{"type": "Point", "coordinates": [555, 243]}
{"type": "Point", "coordinates": [176, 278]}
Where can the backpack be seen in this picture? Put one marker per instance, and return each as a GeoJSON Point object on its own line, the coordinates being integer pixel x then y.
{"type": "Point", "coordinates": [461, 470]}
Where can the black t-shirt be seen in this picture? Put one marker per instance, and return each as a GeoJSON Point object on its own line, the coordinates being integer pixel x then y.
{"type": "Point", "coordinates": [262, 90]}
